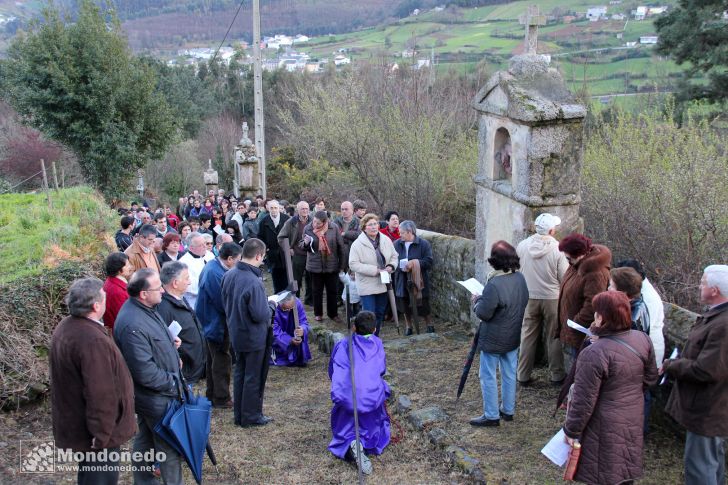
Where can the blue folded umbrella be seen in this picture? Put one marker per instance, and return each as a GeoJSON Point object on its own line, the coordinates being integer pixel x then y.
{"type": "Point", "coordinates": [186, 427]}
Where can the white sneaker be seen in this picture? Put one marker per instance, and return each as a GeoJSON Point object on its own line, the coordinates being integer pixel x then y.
{"type": "Point", "coordinates": [366, 464]}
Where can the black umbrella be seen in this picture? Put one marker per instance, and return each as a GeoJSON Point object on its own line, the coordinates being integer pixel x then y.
{"type": "Point", "coordinates": [468, 363]}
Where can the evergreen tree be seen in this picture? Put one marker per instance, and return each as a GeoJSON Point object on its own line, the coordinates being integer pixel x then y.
{"type": "Point", "coordinates": [80, 85]}
{"type": "Point", "coordinates": [696, 32]}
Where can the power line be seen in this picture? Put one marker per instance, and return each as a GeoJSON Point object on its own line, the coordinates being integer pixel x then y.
{"type": "Point", "coordinates": [228, 31]}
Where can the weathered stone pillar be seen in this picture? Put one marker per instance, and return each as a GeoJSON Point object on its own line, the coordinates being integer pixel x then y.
{"type": "Point", "coordinates": [246, 165]}
{"type": "Point", "coordinates": [210, 177]}
{"type": "Point", "coordinates": [529, 154]}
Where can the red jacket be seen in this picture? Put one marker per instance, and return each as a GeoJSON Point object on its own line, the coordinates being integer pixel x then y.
{"type": "Point", "coordinates": [116, 295]}
{"type": "Point", "coordinates": [393, 235]}
{"type": "Point", "coordinates": [172, 220]}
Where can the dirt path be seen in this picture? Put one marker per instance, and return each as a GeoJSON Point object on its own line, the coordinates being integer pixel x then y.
{"type": "Point", "coordinates": [428, 374]}
{"type": "Point", "coordinates": [293, 448]}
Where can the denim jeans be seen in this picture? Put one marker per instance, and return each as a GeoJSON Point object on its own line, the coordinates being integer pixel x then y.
{"type": "Point", "coordinates": [489, 385]}
{"type": "Point", "coordinates": [704, 459]}
{"type": "Point", "coordinates": [376, 304]}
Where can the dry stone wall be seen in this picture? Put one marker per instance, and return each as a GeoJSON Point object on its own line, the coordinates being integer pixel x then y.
{"type": "Point", "coordinates": [455, 260]}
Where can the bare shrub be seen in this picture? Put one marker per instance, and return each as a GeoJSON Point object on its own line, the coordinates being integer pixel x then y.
{"type": "Point", "coordinates": [656, 191]}
{"type": "Point", "coordinates": [404, 136]}
{"type": "Point", "coordinates": [178, 173]}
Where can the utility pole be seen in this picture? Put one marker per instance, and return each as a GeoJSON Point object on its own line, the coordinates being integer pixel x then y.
{"type": "Point", "coordinates": [258, 95]}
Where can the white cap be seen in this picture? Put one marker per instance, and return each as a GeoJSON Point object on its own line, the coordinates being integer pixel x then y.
{"type": "Point", "coordinates": [545, 222]}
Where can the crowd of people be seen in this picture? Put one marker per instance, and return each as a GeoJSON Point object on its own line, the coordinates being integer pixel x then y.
{"type": "Point", "coordinates": [185, 300]}
{"type": "Point", "coordinates": [603, 331]}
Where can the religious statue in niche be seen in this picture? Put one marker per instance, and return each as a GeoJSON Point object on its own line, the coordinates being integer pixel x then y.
{"type": "Point", "coordinates": [503, 159]}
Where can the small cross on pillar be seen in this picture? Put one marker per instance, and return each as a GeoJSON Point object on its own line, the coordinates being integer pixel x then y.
{"type": "Point", "coordinates": [531, 19]}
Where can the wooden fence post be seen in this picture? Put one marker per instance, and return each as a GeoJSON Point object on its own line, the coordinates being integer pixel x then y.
{"type": "Point", "coordinates": [45, 183]}
{"type": "Point", "coordinates": [55, 175]}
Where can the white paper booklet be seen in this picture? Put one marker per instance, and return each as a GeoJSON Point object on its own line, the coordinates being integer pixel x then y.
{"type": "Point", "coordinates": [578, 328]}
{"type": "Point", "coordinates": [557, 450]}
{"type": "Point", "coordinates": [673, 355]}
{"type": "Point", "coordinates": [174, 329]}
{"type": "Point", "coordinates": [384, 277]}
{"type": "Point", "coordinates": [473, 286]}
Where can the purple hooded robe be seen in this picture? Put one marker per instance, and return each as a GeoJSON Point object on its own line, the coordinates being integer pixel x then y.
{"type": "Point", "coordinates": [286, 353]}
{"type": "Point", "coordinates": [370, 364]}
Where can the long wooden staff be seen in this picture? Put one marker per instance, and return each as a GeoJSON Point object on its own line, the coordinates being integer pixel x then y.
{"type": "Point", "coordinates": [292, 283]}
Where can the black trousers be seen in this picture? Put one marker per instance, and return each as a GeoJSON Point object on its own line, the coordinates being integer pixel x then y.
{"type": "Point", "coordinates": [248, 386]}
{"type": "Point", "coordinates": [300, 274]}
{"type": "Point", "coordinates": [280, 279]}
{"type": "Point", "coordinates": [218, 370]}
{"type": "Point", "coordinates": [110, 476]}
{"type": "Point", "coordinates": [329, 281]}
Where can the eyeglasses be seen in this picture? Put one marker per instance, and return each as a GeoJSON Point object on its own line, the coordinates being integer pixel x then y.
{"type": "Point", "coordinates": [154, 289]}
{"type": "Point", "coordinates": [372, 224]}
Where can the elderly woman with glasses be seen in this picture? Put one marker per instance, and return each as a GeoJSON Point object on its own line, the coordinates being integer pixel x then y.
{"type": "Point", "coordinates": [373, 259]}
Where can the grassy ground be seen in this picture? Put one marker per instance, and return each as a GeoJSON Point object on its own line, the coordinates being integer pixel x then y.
{"type": "Point", "coordinates": [429, 374]}
{"type": "Point", "coordinates": [34, 236]}
{"type": "Point", "coordinates": [293, 448]}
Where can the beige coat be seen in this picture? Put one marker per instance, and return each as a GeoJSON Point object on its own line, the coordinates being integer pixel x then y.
{"type": "Point", "coordinates": [363, 262]}
{"type": "Point", "coordinates": [543, 266]}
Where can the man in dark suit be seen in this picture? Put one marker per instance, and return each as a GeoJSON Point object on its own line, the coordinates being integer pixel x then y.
{"type": "Point", "coordinates": [268, 230]}
{"type": "Point", "coordinates": [152, 358]}
{"type": "Point", "coordinates": [248, 313]}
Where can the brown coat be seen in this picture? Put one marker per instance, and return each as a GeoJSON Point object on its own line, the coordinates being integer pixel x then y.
{"type": "Point", "coordinates": [699, 397]}
{"type": "Point", "coordinates": [318, 262]}
{"type": "Point", "coordinates": [92, 394]}
{"type": "Point", "coordinates": [139, 259]}
{"type": "Point", "coordinates": [582, 282]}
{"type": "Point", "coordinates": [606, 410]}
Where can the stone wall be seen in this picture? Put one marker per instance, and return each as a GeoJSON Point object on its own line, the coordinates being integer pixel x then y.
{"type": "Point", "coordinates": [455, 261]}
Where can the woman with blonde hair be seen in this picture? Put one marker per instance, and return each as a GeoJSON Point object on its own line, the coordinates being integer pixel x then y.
{"type": "Point", "coordinates": [371, 255]}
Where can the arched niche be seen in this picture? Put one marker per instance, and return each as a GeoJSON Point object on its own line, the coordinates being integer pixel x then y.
{"type": "Point", "coordinates": [502, 156]}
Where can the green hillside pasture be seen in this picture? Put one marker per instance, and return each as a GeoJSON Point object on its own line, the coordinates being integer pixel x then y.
{"type": "Point", "coordinates": [598, 87]}
{"type": "Point", "coordinates": [514, 9]}
{"type": "Point", "coordinates": [634, 29]}
{"type": "Point", "coordinates": [34, 237]}
{"type": "Point", "coordinates": [650, 66]}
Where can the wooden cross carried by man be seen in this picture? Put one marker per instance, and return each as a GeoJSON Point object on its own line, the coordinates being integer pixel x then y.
{"type": "Point", "coordinates": [531, 19]}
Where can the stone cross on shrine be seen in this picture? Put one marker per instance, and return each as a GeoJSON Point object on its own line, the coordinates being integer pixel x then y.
{"type": "Point", "coordinates": [531, 19]}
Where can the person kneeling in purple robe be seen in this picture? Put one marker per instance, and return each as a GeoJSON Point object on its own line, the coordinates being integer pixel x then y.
{"type": "Point", "coordinates": [370, 364]}
{"type": "Point", "coordinates": [290, 344]}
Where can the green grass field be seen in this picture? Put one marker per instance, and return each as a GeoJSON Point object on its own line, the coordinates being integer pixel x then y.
{"type": "Point", "coordinates": [34, 236]}
{"type": "Point", "coordinates": [495, 32]}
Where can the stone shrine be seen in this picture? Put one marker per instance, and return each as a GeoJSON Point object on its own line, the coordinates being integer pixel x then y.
{"type": "Point", "coordinates": [529, 149]}
{"type": "Point", "coordinates": [210, 177]}
{"type": "Point", "coordinates": [246, 167]}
